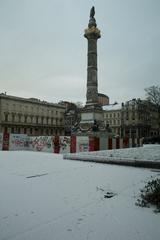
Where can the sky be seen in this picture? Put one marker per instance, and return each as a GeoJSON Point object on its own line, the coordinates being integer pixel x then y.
{"type": "Point", "coordinates": [43, 52]}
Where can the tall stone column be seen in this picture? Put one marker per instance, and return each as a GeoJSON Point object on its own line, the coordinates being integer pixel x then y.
{"type": "Point", "coordinates": [92, 114]}
{"type": "Point", "coordinates": [92, 33]}
{"type": "Point", "coordinates": [92, 120]}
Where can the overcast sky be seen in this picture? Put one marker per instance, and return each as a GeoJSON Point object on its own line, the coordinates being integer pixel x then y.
{"type": "Point", "coordinates": [43, 53]}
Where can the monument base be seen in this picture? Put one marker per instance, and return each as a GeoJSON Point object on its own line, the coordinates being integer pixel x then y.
{"type": "Point", "coordinates": [92, 123]}
{"type": "Point", "coordinates": [91, 118]}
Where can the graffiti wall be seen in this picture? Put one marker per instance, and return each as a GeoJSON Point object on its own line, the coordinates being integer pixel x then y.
{"type": "Point", "coordinates": [65, 144]}
{"type": "Point", "coordinates": [18, 142]}
{"type": "Point", "coordinates": [41, 143]}
{"type": "Point", "coordinates": [82, 144]}
{"type": "Point", "coordinates": [1, 140]}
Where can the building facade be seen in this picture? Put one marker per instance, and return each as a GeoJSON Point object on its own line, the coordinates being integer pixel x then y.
{"type": "Point", "coordinates": [139, 119]}
{"type": "Point", "coordinates": [135, 118]}
{"type": "Point", "coordinates": [112, 118]}
{"type": "Point", "coordinates": [30, 116]}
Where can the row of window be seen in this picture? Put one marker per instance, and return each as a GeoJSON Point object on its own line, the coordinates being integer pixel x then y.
{"type": "Point", "coordinates": [111, 115]}
{"type": "Point", "coordinates": [139, 116]}
{"type": "Point", "coordinates": [31, 119]}
{"type": "Point", "coordinates": [34, 131]}
{"type": "Point", "coordinates": [114, 122]}
{"type": "Point", "coordinates": [32, 109]}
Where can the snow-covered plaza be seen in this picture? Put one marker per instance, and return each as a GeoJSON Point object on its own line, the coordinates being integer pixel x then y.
{"type": "Point", "coordinates": [44, 197]}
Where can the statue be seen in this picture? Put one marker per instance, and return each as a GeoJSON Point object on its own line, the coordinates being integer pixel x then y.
{"type": "Point", "coordinates": [92, 12]}
{"type": "Point", "coordinates": [95, 126]}
{"type": "Point", "coordinates": [92, 21]}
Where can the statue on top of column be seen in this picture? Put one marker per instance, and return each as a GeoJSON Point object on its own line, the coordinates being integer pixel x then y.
{"type": "Point", "coordinates": [92, 12]}
{"type": "Point", "coordinates": [92, 20]}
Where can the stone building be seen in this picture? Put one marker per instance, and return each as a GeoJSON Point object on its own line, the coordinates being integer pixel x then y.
{"type": "Point", "coordinates": [30, 116]}
{"type": "Point", "coordinates": [112, 118]}
{"type": "Point", "coordinates": [139, 119]}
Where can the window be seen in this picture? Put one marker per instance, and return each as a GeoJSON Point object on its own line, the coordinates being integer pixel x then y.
{"type": "Point", "coordinates": [127, 116]}
{"type": "Point", "coordinates": [47, 132]}
{"type": "Point", "coordinates": [42, 119]}
{"type": "Point", "coordinates": [31, 131]}
{"type": "Point", "coordinates": [37, 119]}
{"type": "Point", "coordinates": [19, 118]}
{"type": "Point", "coordinates": [31, 119]}
{"type": "Point", "coordinates": [6, 117]}
{"type": "Point", "coordinates": [13, 117]}
{"type": "Point", "coordinates": [25, 119]}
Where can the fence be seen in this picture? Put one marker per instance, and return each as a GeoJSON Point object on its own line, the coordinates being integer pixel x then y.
{"type": "Point", "coordinates": [63, 144]}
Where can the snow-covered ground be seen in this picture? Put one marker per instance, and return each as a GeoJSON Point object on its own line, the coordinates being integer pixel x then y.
{"type": "Point", "coordinates": [146, 153]}
{"type": "Point", "coordinates": [44, 197]}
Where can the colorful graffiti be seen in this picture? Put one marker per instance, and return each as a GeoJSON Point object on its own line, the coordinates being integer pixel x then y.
{"type": "Point", "coordinates": [41, 143]}
{"type": "Point", "coordinates": [65, 144]}
{"type": "Point", "coordinates": [18, 142]}
{"type": "Point", "coordinates": [62, 144]}
{"type": "Point", "coordinates": [82, 144]}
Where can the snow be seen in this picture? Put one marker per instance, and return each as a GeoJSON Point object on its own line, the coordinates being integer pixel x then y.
{"type": "Point", "coordinates": [110, 107]}
{"type": "Point", "coordinates": [44, 197]}
{"type": "Point", "coordinates": [150, 153]}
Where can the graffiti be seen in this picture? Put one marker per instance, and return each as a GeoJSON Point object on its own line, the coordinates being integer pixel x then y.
{"type": "Point", "coordinates": [41, 143]}
{"type": "Point", "coordinates": [64, 143]}
{"type": "Point", "coordinates": [82, 144]}
{"type": "Point", "coordinates": [18, 142]}
{"type": "Point", "coordinates": [83, 147]}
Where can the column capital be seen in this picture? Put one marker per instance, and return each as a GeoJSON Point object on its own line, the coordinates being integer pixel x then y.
{"type": "Point", "coordinates": [92, 32]}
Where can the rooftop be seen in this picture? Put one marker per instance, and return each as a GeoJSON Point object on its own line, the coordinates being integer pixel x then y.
{"type": "Point", "coordinates": [112, 107]}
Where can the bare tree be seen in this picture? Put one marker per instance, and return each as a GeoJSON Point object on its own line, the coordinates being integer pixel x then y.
{"type": "Point", "coordinates": [153, 94]}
